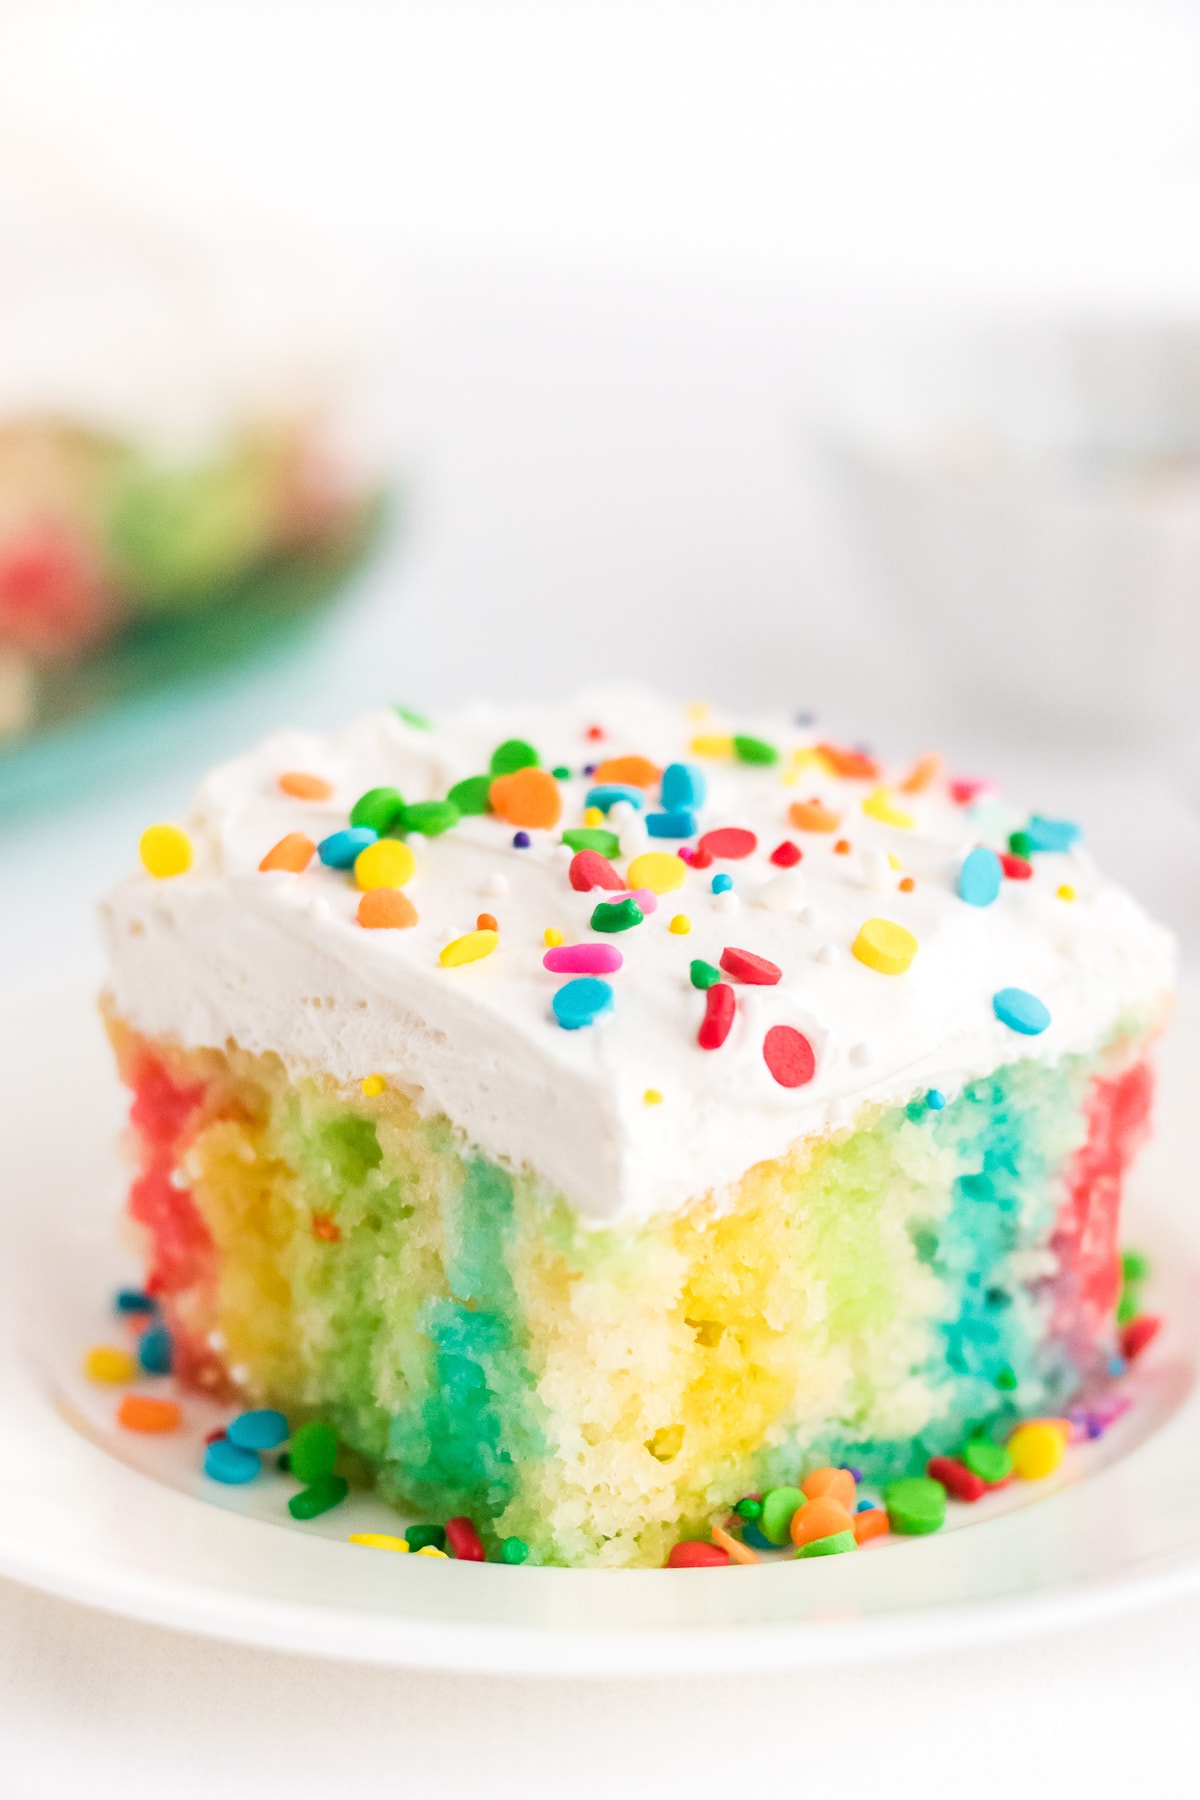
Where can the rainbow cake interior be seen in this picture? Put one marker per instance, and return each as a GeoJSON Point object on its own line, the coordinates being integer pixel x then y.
{"type": "Point", "coordinates": [854, 1244]}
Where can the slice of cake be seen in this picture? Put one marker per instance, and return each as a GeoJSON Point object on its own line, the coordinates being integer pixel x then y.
{"type": "Point", "coordinates": [599, 1114]}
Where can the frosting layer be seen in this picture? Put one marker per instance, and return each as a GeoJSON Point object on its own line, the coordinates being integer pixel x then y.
{"type": "Point", "coordinates": [629, 1115]}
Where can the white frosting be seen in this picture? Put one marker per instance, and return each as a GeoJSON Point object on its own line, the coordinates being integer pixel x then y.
{"type": "Point", "coordinates": [279, 963]}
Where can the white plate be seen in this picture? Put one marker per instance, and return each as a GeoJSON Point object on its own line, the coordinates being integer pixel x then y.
{"type": "Point", "coordinates": [130, 1524]}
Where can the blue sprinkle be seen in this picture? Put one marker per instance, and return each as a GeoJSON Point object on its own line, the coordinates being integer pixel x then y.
{"type": "Point", "coordinates": [753, 1536]}
{"type": "Point", "coordinates": [1117, 1365]}
{"type": "Point", "coordinates": [521, 840]}
{"type": "Point", "coordinates": [935, 1099]}
{"type": "Point", "coordinates": [340, 849]}
{"type": "Point", "coordinates": [865, 1506]}
{"type": "Point", "coordinates": [263, 1429]}
{"type": "Point", "coordinates": [134, 1300]}
{"type": "Point", "coordinates": [1051, 834]}
{"type": "Point", "coordinates": [981, 877]}
{"type": "Point", "coordinates": [671, 824]}
{"type": "Point", "coordinates": [581, 1002]}
{"type": "Point", "coordinates": [1021, 1011]}
{"type": "Point", "coordinates": [721, 884]}
{"type": "Point", "coordinates": [156, 1351]}
{"type": "Point", "coordinates": [683, 785]}
{"type": "Point", "coordinates": [611, 792]}
{"type": "Point", "coordinates": [229, 1463]}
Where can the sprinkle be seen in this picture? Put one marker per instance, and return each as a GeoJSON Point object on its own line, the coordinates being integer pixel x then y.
{"type": "Point", "coordinates": [862, 1055]}
{"type": "Point", "coordinates": [755, 750]}
{"type": "Point", "coordinates": [652, 1097]}
{"type": "Point", "coordinates": [228, 1463]}
{"type": "Point", "coordinates": [680, 925]}
{"type": "Point", "coordinates": [590, 870]}
{"type": "Point", "coordinates": [869, 1522]}
{"type": "Point", "coordinates": [463, 1540]}
{"type": "Point", "coordinates": [496, 886]}
{"type": "Point", "coordinates": [935, 1100]}
{"type": "Point", "coordinates": [699, 859]}
{"type": "Point", "coordinates": [786, 855]}
{"type": "Point", "coordinates": [915, 1505]}
{"type": "Point", "coordinates": [326, 1229]}
{"type": "Point", "coordinates": [426, 1537]}
{"type": "Point", "coordinates": [514, 1550]}
{"type": "Point", "coordinates": [1066, 891]}
{"type": "Point", "coordinates": [658, 870]}
{"type": "Point", "coordinates": [372, 1085]}
{"type": "Point", "coordinates": [138, 1412]}
{"type": "Point", "coordinates": [379, 1540]}
{"type": "Point", "coordinates": [1015, 867]}
{"type": "Point", "coordinates": [561, 772]}
{"type": "Point", "coordinates": [340, 849]}
{"type": "Point", "coordinates": [962, 792]}
{"type": "Point", "coordinates": [884, 946]}
{"type": "Point", "coordinates": [552, 937]}
{"type": "Point", "coordinates": [1021, 1011]}
{"type": "Point", "coordinates": [924, 772]}
{"type": "Point", "coordinates": [293, 853]}
{"type": "Point", "coordinates": [697, 709]}
{"type": "Point", "coordinates": [721, 884]}
{"type": "Point", "coordinates": [906, 885]}
{"type": "Point", "coordinates": [789, 1056]}
{"type": "Point", "coordinates": [684, 787]}
{"type": "Point", "coordinates": [470, 796]}
{"type": "Point", "coordinates": [386, 909]}
{"type": "Point", "coordinates": [876, 871]}
{"type": "Point", "coordinates": [156, 1350]}
{"type": "Point", "coordinates": [604, 843]}
{"type": "Point", "coordinates": [851, 765]}
{"type": "Point", "coordinates": [486, 922]}
{"type": "Point", "coordinates": [1137, 1334]}
{"type": "Point", "coordinates": [261, 1429]}
{"type": "Point", "coordinates": [812, 815]}
{"type": "Point", "coordinates": [432, 1550]}
{"type": "Point", "coordinates": [1037, 1449]}
{"type": "Point", "coordinates": [131, 1301]}
{"type": "Point", "coordinates": [412, 717]}
{"type": "Point", "coordinates": [583, 959]}
{"type": "Point", "coordinates": [646, 898]}
{"type": "Point", "coordinates": [386, 864]}
{"type": "Point", "coordinates": [704, 974]}
{"type": "Point", "coordinates": [469, 948]}
{"type": "Point", "coordinates": [991, 1462]}
{"type": "Point", "coordinates": [743, 965]}
{"type": "Point", "coordinates": [1051, 834]}
{"type": "Point", "coordinates": [671, 824]}
{"type": "Point", "coordinates": [165, 851]}
{"type": "Point", "coordinates": [826, 954]}
{"type": "Point", "coordinates": [305, 787]}
{"type": "Point", "coordinates": [382, 808]}
{"type": "Point", "coordinates": [616, 915]}
{"type": "Point", "coordinates": [712, 744]}
{"type": "Point", "coordinates": [521, 840]}
{"type": "Point", "coordinates": [528, 797]}
{"type": "Point", "coordinates": [594, 733]}
{"type": "Point", "coordinates": [511, 755]}
{"type": "Point", "coordinates": [430, 818]}
{"type": "Point", "coordinates": [879, 806]}
{"type": "Point", "coordinates": [842, 847]}
{"type": "Point", "coordinates": [613, 793]}
{"type": "Point", "coordinates": [320, 1497]}
{"type": "Point", "coordinates": [634, 771]}
{"type": "Point", "coordinates": [695, 1553]}
{"type": "Point", "coordinates": [785, 892]}
{"type": "Point", "coordinates": [731, 843]}
{"type": "Point", "coordinates": [592, 815]}
{"type": "Point", "coordinates": [727, 902]}
{"type": "Point", "coordinates": [720, 1004]}
{"type": "Point", "coordinates": [106, 1362]}
{"type": "Point", "coordinates": [736, 1552]}
{"type": "Point", "coordinates": [956, 1478]}
{"type": "Point", "coordinates": [981, 877]}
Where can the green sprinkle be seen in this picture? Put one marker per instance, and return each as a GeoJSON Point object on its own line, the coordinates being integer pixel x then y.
{"type": "Point", "coordinates": [314, 1451]}
{"type": "Point", "coordinates": [616, 915]}
{"type": "Point", "coordinates": [704, 975]}
{"type": "Point", "coordinates": [471, 796]}
{"type": "Point", "coordinates": [326, 1492]}
{"type": "Point", "coordinates": [513, 754]}
{"type": "Point", "coordinates": [1006, 1380]}
{"type": "Point", "coordinates": [419, 1536]}
{"type": "Point", "coordinates": [514, 1550]}
{"type": "Point", "coordinates": [583, 837]}
{"type": "Point", "coordinates": [1021, 844]}
{"type": "Point", "coordinates": [412, 717]}
{"type": "Point", "coordinates": [836, 1544]}
{"type": "Point", "coordinates": [561, 773]}
{"type": "Point", "coordinates": [915, 1505]}
{"type": "Point", "coordinates": [779, 1505]}
{"type": "Point", "coordinates": [1128, 1306]}
{"type": "Point", "coordinates": [381, 808]}
{"type": "Point", "coordinates": [749, 1510]}
{"type": "Point", "coordinates": [1135, 1265]}
{"type": "Point", "coordinates": [991, 1462]}
{"type": "Point", "coordinates": [431, 817]}
{"type": "Point", "coordinates": [754, 750]}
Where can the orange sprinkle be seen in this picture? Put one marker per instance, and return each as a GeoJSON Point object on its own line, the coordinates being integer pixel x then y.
{"type": "Point", "coordinates": [812, 815]}
{"type": "Point", "coordinates": [380, 908]}
{"type": "Point", "coordinates": [733, 1547]}
{"type": "Point", "coordinates": [305, 787]}
{"type": "Point", "coordinates": [485, 922]}
{"type": "Point", "coordinates": [923, 774]}
{"type": "Point", "coordinates": [837, 1483]}
{"type": "Point", "coordinates": [907, 885]}
{"type": "Point", "coordinates": [634, 771]}
{"type": "Point", "coordinates": [529, 798]}
{"type": "Point", "coordinates": [326, 1228]}
{"type": "Point", "coordinates": [293, 852]}
{"type": "Point", "coordinates": [871, 1524]}
{"type": "Point", "coordinates": [842, 847]}
{"type": "Point", "coordinates": [138, 1412]}
{"type": "Point", "coordinates": [851, 765]}
{"type": "Point", "coordinates": [820, 1518]}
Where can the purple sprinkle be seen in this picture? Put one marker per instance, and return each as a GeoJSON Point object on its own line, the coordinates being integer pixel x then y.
{"type": "Point", "coordinates": [856, 1473]}
{"type": "Point", "coordinates": [590, 768]}
{"type": "Point", "coordinates": [520, 840]}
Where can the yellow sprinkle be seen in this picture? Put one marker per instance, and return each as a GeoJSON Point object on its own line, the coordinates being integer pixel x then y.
{"type": "Point", "coordinates": [806, 757]}
{"type": "Point", "coordinates": [1066, 891]}
{"type": "Point", "coordinates": [379, 1540]}
{"type": "Point", "coordinates": [1036, 1449]}
{"type": "Point", "coordinates": [712, 745]}
{"type": "Point", "coordinates": [884, 946]}
{"type": "Point", "coordinates": [428, 1550]}
{"type": "Point", "coordinates": [697, 709]}
{"type": "Point", "coordinates": [372, 1085]}
{"type": "Point", "coordinates": [789, 778]}
{"type": "Point", "coordinates": [165, 851]}
{"type": "Point", "coordinates": [468, 948]}
{"type": "Point", "coordinates": [593, 816]}
{"type": "Point", "coordinates": [107, 1363]}
{"type": "Point", "coordinates": [894, 861]}
{"type": "Point", "coordinates": [879, 806]}
{"type": "Point", "coordinates": [652, 1097]}
{"type": "Point", "coordinates": [680, 925]}
{"type": "Point", "coordinates": [659, 870]}
{"type": "Point", "coordinates": [387, 864]}
{"type": "Point", "coordinates": [552, 938]}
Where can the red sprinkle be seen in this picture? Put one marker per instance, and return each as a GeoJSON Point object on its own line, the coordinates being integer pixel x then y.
{"type": "Point", "coordinates": [730, 842]}
{"type": "Point", "coordinates": [1015, 867]}
{"type": "Point", "coordinates": [594, 732]}
{"type": "Point", "coordinates": [701, 859]}
{"type": "Point", "coordinates": [214, 1437]}
{"type": "Point", "coordinates": [745, 966]}
{"type": "Point", "coordinates": [956, 1478]}
{"type": "Point", "coordinates": [963, 792]}
{"type": "Point", "coordinates": [786, 855]}
{"type": "Point", "coordinates": [694, 1553]}
{"type": "Point", "coordinates": [591, 870]}
{"type": "Point", "coordinates": [1137, 1334]}
{"type": "Point", "coordinates": [720, 1005]}
{"type": "Point", "coordinates": [463, 1539]}
{"type": "Point", "coordinates": [789, 1056]}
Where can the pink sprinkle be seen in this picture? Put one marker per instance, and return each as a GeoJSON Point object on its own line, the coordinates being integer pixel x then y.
{"type": "Point", "coordinates": [685, 853]}
{"type": "Point", "coordinates": [583, 959]}
{"type": "Point", "coordinates": [963, 792]}
{"type": "Point", "coordinates": [645, 897]}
